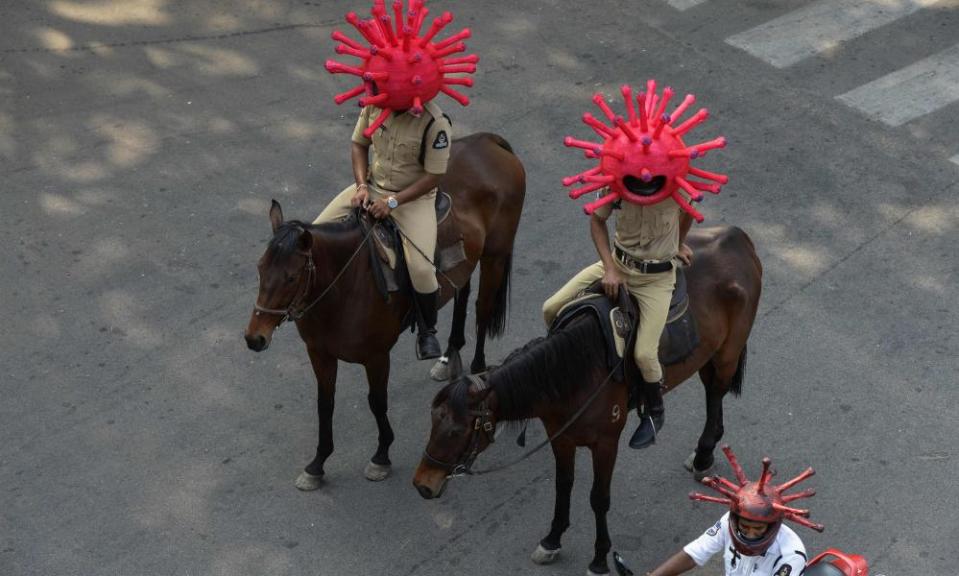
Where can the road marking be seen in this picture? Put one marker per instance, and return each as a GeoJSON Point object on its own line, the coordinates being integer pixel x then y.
{"type": "Point", "coordinates": [819, 27]}
{"type": "Point", "coordinates": [955, 159]}
{"type": "Point", "coordinates": [911, 92]}
{"type": "Point", "coordinates": [684, 4]}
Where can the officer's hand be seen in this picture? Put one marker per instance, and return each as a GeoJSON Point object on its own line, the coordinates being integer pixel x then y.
{"type": "Point", "coordinates": [611, 283]}
{"type": "Point", "coordinates": [379, 209]}
{"type": "Point", "coordinates": [361, 198]}
{"type": "Point", "coordinates": [685, 254]}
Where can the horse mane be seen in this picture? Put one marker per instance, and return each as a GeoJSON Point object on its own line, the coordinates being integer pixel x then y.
{"type": "Point", "coordinates": [548, 368]}
{"type": "Point", "coordinates": [285, 238]}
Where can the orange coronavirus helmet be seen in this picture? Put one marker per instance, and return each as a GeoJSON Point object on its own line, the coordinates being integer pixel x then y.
{"type": "Point", "coordinates": [759, 501]}
{"type": "Point", "coordinates": [645, 147]}
{"type": "Point", "coordinates": [400, 69]}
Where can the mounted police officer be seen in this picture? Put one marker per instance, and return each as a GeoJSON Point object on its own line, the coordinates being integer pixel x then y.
{"type": "Point", "coordinates": [409, 155]}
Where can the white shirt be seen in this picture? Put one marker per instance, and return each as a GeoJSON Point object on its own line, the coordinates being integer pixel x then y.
{"type": "Point", "coordinates": [785, 557]}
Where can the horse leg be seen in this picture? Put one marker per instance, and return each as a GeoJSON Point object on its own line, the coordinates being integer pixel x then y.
{"type": "Point", "coordinates": [564, 453]}
{"type": "Point", "coordinates": [440, 370]}
{"type": "Point", "coordinates": [378, 376]}
{"type": "Point", "coordinates": [701, 461]}
{"type": "Point", "coordinates": [324, 368]}
{"type": "Point", "coordinates": [491, 305]}
{"type": "Point", "coordinates": [604, 460]}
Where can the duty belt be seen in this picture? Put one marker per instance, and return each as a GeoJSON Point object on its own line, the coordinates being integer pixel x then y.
{"type": "Point", "coordinates": [642, 266]}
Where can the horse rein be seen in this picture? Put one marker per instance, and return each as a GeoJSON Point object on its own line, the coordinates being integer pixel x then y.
{"type": "Point", "coordinates": [291, 313]}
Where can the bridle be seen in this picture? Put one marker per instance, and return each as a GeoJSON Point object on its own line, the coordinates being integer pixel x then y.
{"type": "Point", "coordinates": [482, 424]}
{"type": "Point", "coordinates": [295, 310]}
{"type": "Point", "coordinates": [483, 420]}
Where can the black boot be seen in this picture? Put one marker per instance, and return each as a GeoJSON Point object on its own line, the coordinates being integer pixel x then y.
{"type": "Point", "coordinates": [652, 416]}
{"type": "Point", "coordinates": [427, 346]}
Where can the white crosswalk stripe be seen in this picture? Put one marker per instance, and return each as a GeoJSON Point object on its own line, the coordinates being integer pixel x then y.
{"type": "Point", "coordinates": [819, 27]}
{"type": "Point", "coordinates": [955, 159]}
{"type": "Point", "coordinates": [684, 4]}
{"type": "Point", "coordinates": [911, 92]}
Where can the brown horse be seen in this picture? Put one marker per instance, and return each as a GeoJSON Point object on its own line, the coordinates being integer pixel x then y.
{"type": "Point", "coordinates": [552, 378]}
{"type": "Point", "coordinates": [321, 276]}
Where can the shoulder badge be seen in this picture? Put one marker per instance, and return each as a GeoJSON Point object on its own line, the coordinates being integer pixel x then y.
{"type": "Point", "coordinates": [441, 141]}
{"type": "Point", "coordinates": [785, 570]}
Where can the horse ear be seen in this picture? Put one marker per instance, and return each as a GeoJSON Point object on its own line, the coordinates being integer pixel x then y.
{"type": "Point", "coordinates": [305, 241]}
{"type": "Point", "coordinates": [276, 215]}
{"type": "Point", "coordinates": [454, 366]}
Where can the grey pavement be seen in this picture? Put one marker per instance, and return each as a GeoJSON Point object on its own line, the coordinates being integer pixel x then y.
{"type": "Point", "coordinates": [140, 145]}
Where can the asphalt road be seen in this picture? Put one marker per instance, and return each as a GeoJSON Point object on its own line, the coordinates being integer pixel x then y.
{"type": "Point", "coordinates": [140, 145]}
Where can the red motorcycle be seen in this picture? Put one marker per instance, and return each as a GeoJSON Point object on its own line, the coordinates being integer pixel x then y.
{"type": "Point", "coordinates": [832, 562]}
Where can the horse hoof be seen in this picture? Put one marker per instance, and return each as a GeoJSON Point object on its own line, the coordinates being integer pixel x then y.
{"type": "Point", "coordinates": [697, 474]}
{"type": "Point", "coordinates": [376, 472]}
{"type": "Point", "coordinates": [543, 556]}
{"type": "Point", "coordinates": [308, 482]}
{"type": "Point", "coordinates": [441, 370]}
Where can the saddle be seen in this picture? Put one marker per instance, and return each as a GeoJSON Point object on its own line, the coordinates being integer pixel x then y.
{"type": "Point", "coordinates": [677, 342]}
{"type": "Point", "coordinates": [389, 270]}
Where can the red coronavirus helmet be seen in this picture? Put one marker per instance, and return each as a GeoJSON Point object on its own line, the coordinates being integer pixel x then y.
{"type": "Point", "coordinates": [644, 147]}
{"type": "Point", "coordinates": [758, 501]}
{"type": "Point", "coordinates": [402, 70]}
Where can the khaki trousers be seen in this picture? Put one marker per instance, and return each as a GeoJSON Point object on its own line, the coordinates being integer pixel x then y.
{"type": "Point", "coordinates": [417, 220]}
{"type": "Point", "coordinates": [652, 291]}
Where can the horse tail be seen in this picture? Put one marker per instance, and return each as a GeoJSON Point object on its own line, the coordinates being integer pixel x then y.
{"type": "Point", "coordinates": [497, 321]}
{"type": "Point", "coordinates": [736, 385]}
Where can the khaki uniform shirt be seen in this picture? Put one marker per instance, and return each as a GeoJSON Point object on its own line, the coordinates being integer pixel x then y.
{"type": "Point", "coordinates": [395, 162]}
{"type": "Point", "coordinates": [646, 232]}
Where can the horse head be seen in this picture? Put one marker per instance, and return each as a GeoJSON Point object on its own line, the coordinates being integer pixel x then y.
{"type": "Point", "coordinates": [286, 276]}
{"type": "Point", "coordinates": [463, 425]}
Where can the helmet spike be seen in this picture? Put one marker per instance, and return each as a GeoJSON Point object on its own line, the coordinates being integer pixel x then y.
{"type": "Point", "coordinates": [693, 121]}
{"type": "Point", "coordinates": [374, 100]}
{"type": "Point", "coordinates": [799, 478]}
{"type": "Point", "coordinates": [685, 205]}
{"type": "Point", "coordinates": [458, 47]}
{"type": "Point", "coordinates": [341, 37]}
{"type": "Point", "coordinates": [471, 59]}
{"type": "Point", "coordinates": [398, 16]}
{"type": "Point", "coordinates": [721, 178]}
{"type": "Point", "coordinates": [643, 116]}
{"type": "Point", "coordinates": [688, 101]}
{"type": "Point", "coordinates": [626, 129]}
{"type": "Point", "coordinates": [650, 96]}
{"type": "Point", "coordinates": [663, 102]}
{"type": "Point", "coordinates": [384, 114]}
{"type": "Point", "coordinates": [766, 475]}
{"type": "Point", "coordinates": [458, 68]}
{"type": "Point", "coordinates": [734, 463]}
{"type": "Point", "coordinates": [627, 93]}
{"type": "Point", "coordinates": [807, 523]}
{"type": "Point", "coordinates": [439, 23]}
{"type": "Point", "coordinates": [601, 129]}
{"type": "Point", "coordinates": [417, 107]}
{"type": "Point", "coordinates": [790, 510]}
{"type": "Point", "coordinates": [352, 93]}
{"type": "Point", "coordinates": [334, 67]}
{"type": "Point", "coordinates": [593, 206]}
{"type": "Point", "coordinates": [705, 498]}
{"type": "Point", "coordinates": [574, 194]}
{"type": "Point", "coordinates": [463, 34]}
{"type": "Point", "coordinates": [600, 101]}
{"type": "Point", "coordinates": [808, 493]}
{"type": "Point", "coordinates": [457, 82]}
{"type": "Point", "coordinates": [663, 122]}
{"type": "Point", "coordinates": [458, 96]}
{"type": "Point", "coordinates": [716, 485]}
{"type": "Point", "coordinates": [581, 177]}
{"type": "Point", "coordinates": [694, 194]}
{"type": "Point", "coordinates": [350, 51]}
